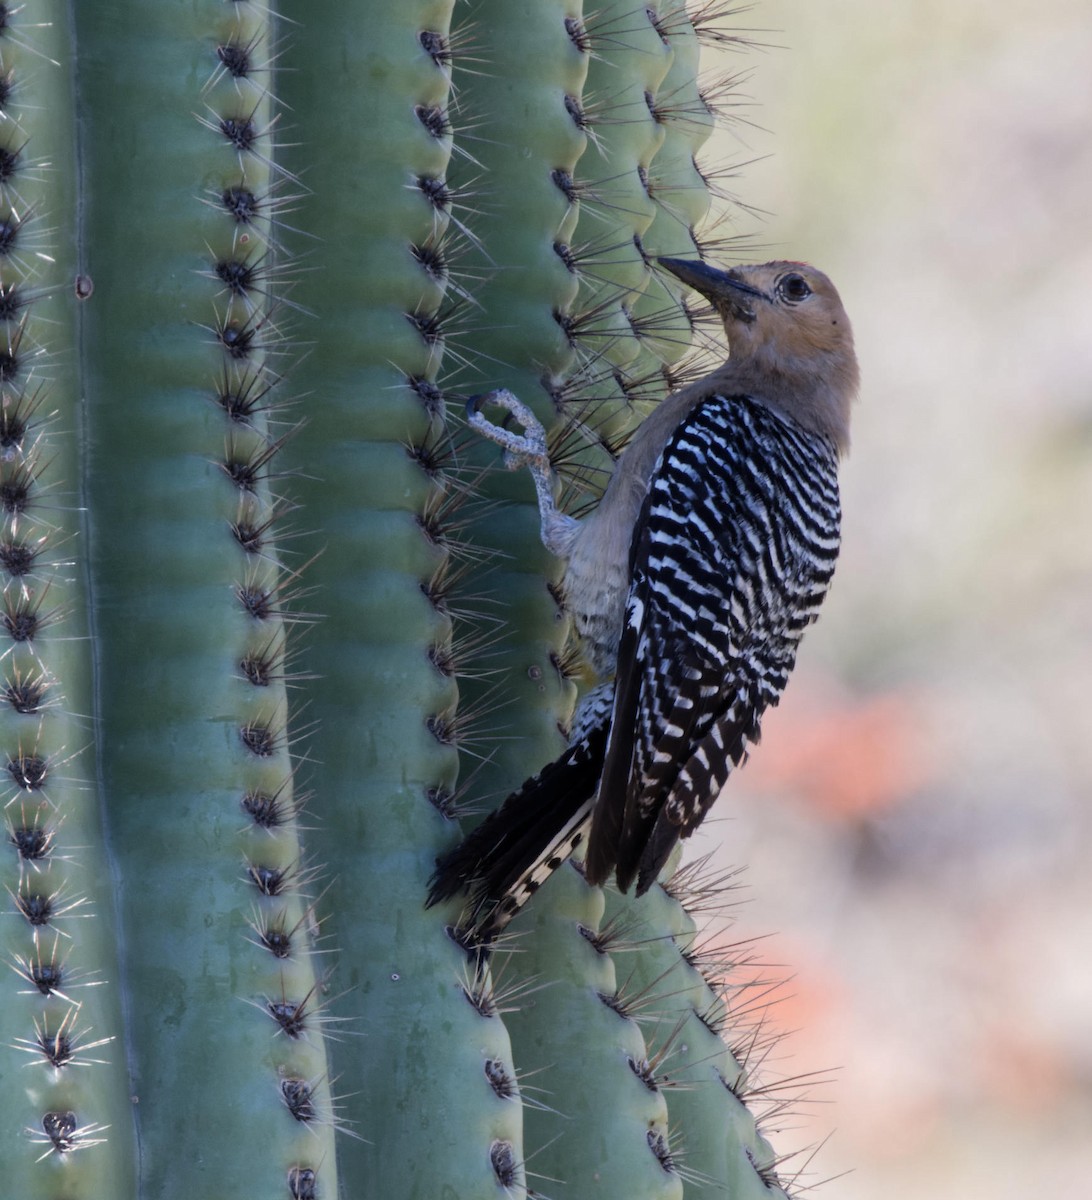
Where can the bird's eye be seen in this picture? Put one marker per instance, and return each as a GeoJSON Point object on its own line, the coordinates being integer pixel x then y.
{"type": "Point", "coordinates": [793, 288]}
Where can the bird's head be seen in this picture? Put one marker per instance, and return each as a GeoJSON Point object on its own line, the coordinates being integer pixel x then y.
{"type": "Point", "coordinates": [785, 324]}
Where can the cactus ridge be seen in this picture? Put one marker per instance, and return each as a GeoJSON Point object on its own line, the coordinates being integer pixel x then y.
{"type": "Point", "coordinates": [60, 1020]}
{"type": "Point", "coordinates": [690, 1001]}
{"type": "Point", "coordinates": [251, 277]}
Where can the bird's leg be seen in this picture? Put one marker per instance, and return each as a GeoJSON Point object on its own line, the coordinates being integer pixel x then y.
{"type": "Point", "coordinates": [527, 450]}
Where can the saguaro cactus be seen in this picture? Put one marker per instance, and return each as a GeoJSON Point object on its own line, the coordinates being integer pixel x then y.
{"type": "Point", "coordinates": [272, 622]}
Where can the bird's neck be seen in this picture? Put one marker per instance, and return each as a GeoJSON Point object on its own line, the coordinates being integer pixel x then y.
{"type": "Point", "coordinates": [816, 393]}
{"type": "Point", "coordinates": [817, 398]}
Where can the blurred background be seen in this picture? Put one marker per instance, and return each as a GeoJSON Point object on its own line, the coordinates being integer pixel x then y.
{"type": "Point", "coordinates": [916, 827]}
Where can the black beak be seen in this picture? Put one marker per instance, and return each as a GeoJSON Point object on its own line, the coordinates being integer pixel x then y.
{"type": "Point", "coordinates": [721, 288]}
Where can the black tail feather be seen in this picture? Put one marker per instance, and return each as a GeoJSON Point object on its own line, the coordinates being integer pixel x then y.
{"type": "Point", "coordinates": [511, 853]}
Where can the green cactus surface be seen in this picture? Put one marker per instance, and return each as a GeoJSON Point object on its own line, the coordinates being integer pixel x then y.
{"type": "Point", "coordinates": [277, 627]}
{"type": "Point", "coordinates": [685, 998]}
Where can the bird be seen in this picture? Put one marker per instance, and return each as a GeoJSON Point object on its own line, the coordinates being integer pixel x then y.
{"type": "Point", "coordinates": [690, 586]}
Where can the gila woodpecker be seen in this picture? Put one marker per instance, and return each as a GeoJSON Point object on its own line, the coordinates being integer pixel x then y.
{"type": "Point", "coordinates": [690, 587]}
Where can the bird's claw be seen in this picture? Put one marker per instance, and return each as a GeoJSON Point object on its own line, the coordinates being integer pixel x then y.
{"type": "Point", "coordinates": [520, 450]}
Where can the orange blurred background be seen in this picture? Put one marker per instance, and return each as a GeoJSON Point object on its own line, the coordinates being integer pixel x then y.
{"type": "Point", "coordinates": [916, 826]}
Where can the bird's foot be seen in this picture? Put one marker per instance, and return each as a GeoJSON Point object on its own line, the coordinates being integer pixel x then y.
{"type": "Point", "coordinates": [520, 450]}
{"type": "Point", "coordinates": [529, 450]}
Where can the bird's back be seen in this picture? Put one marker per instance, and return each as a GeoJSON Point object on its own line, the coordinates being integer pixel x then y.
{"type": "Point", "coordinates": [735, 549]}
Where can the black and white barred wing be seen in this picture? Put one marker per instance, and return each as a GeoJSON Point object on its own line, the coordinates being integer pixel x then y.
{"type": "Point", "coordinates": [732, 555]}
